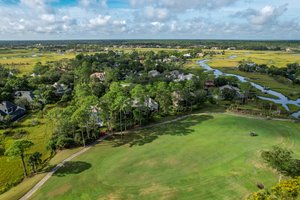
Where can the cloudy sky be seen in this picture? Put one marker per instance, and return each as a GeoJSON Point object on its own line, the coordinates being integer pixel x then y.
{"type": "Point", "coordinates": [149, 19]}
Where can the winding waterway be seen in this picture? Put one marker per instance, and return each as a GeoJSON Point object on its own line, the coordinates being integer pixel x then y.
{"type": "Point", "coordinates": [280, 98]}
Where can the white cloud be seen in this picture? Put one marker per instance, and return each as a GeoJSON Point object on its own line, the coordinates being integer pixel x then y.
{"type": "Point", "coordinates": [268, 15]}
{"type": "Point", "coordinates": [99, 21]}
{"type": "Point", "coordinates": [149, 19]}
{"type": "Point", "coordinates": [181, 5]}
{"type": "Point", "coordinates": [49, 18]}
{"type": "Point", "coordinates": [34, 3]}
{"type": "Point", "coordinates": [93, 3]}
{"type": "Point", "coordinates": [155, 13]}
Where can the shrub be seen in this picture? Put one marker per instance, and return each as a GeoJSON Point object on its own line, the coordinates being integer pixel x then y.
{"type": "Point", "coordinates": [287, 189]}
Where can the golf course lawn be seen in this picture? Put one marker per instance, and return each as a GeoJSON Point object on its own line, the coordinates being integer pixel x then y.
{"type": "Point", "coordinates": [201, 157]}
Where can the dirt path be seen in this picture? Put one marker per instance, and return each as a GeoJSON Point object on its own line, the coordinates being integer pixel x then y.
{"type": "Point", "coordinates": [58, 166]}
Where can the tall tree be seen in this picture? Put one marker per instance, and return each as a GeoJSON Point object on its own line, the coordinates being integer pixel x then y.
{"type": "Point", "coordinates": [18, 148]}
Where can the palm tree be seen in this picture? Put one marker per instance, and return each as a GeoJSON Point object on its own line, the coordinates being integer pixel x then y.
{"type": "Point", "coordinates": [35, 160]}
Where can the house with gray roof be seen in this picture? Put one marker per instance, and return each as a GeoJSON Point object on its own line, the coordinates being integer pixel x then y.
{"type": "Point", "coordinates": [28, 95]}
{"type": "Point", "coordinates": [9, 109]}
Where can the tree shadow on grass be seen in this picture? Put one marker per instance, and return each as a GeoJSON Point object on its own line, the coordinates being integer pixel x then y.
{"type": "Point", "coordinates": [72, 167]}
{"type": "Point", "coordinates": [148, 135]}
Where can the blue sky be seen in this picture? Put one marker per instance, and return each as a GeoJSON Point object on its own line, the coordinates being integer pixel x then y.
{"type": "Point", "coordinates": [149, 19]}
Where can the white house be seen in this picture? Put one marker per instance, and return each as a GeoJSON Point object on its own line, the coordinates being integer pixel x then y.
{"type": "Point", "coordinates": [149, 103]}
{"type": "Point", "coordinates": [182, 77]}
{"type": "Point", "coordinates": [95, 115]}
{"type": "Point", "coordinates": [187, 55]}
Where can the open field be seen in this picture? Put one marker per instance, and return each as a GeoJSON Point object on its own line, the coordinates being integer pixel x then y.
{"type": "Point", "coordinates": [202, 157]}
{"type": "Point", "coordinates": [11, 170]}
{"type": "Point", "coordinates": [276, 58]}
{"type": "Point", "coordinates": [24, 60]}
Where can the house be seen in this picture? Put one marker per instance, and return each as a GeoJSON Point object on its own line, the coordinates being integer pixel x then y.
{"type": "Point", "coordinates": [209, 84]}
{"type": "Point", "coordinates": [200, 55]}
{"type": "Point", "coordinates": [178, 76]}
{"type": "Point", "coordinates": [95, 114]}
{"type": "Point", "coordinates": [149, 103]}
{"type": "Point", "coordinates": [167, 60]}
{"type": "Point", "coordinates": [288, 50]}
{"type": "Point", "coordinates": [182, 77]}
{"type": "Point", "coordinates": [174, 74]}
{"type": "Point", "coordinates": [154, 73]}
{"type": "Point", "coordinates": [98, 75]}
{"type": "Point", "coordinates": [9, 109]}
{"type": "Point", "coordinates": [188, 77]}
{"type": "Point", "coordinates": [28, 95]}
{"type": "Point", "coordinates": [238, 92]}
{"type": "Point", "coordinates": [174, 58]}
{"type": "Point", "coordinates": [176, 98]}
{"type": "Point", "coordinates": [61, 89]}
{"type": "Point", "coordinates": [231, 48]}
{"type": "Point", "coordinates": [187, 55]}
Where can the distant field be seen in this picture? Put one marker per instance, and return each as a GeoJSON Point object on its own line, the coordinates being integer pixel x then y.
{"type": "Point", "coordinates": [276, 58]}
{"type": "Point", "coordinates": [11, 170]}
{"type": "Point", "coordinates": [202, 157]}
{"type": "Point", "coordinates": [147, 49]}
{"type": "Point", "coordinates": [24, 60]}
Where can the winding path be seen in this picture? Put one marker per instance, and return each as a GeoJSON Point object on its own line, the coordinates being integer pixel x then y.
{"type": "Point", "coordinates": [61, 164]}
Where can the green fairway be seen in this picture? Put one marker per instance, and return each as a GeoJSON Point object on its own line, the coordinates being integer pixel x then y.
{"type": "Point", "coordinates": [202, 157]}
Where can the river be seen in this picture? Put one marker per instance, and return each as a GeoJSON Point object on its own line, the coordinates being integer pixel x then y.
{"type": "Point", "coordinates": [280, 98]}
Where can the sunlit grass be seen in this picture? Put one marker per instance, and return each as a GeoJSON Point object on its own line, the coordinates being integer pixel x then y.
{"type": "Point", "coordinates": [203, 157]}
